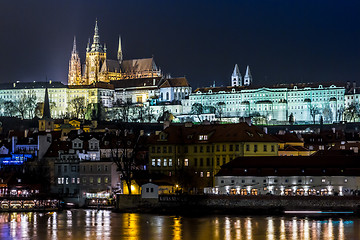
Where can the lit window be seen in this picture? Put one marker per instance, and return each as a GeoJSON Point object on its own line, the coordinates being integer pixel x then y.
{"type": "Point", "coordinates": [186, 162]}
{"type": "Point", "coordinates": [170, 162]}
{"type": "Point", "coordinates": [207, 174]}
{"type": "Point", "coordinates": [153, 162]}
{"type": "Point", "coordinates": [201, 174]}
{"type": "Point", "coordinates": [67, 181]}
{"type": "Point", "coordinates": [106, 180]}
{"type": "Point", "coordinates": [323, 180]}
{"type": "Point", "coordinates": [73, 180]}
{"type": "Point", "coordinates": [345, 180]}
{"type": "Point", "coordinates": [78, 180]}
{"type": "Point", "coordinates": [59, 180]}
{"type": "Point", "coordinates": [165, 162]}
{"type": "Point", "coordinates": [99, 180]}
{"type": "Point", "coordinates": [159, 162]}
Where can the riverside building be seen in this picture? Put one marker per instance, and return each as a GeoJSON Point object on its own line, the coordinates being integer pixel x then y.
{"type": "Point", "coordinates": [289, 176]}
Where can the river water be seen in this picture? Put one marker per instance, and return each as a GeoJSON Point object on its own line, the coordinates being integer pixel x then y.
{"type": "Point", "coordinates": [103, 224]}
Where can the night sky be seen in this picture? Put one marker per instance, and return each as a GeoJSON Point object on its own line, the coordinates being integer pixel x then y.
{"type": "Point", "coordinates": [282, 41]}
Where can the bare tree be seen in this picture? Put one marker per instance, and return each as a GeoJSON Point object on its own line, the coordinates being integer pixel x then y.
{"type": "Point", "coordinates": [352, 112]}
{"type": "Point", "coordinates": [149, 114]}
{"type": "Point", "coordinates": [20, 105]}
{"type": "Point", "coordinates": [313, 112]}
{"type": "Point", "coordinates": [220, 109]}
{"type": "Point", "coordinates": [77, 107]}
{"type": "Point", "coordinates": [124, 155]}
{"type": "Point", "coordinates": [122, 110]}
{"type": "Point", "coordinates": [9, 109]}
{"type": "Point", "coordinates": [197, 109]}
{"type": "Point", "coordinates": [328, 115]}
{"type": "Point", "coordinates": [340, 113]}
{"type": "Point", "coordinates": [31, 103]}
{"type": "Point", "coordinates": [139, 113]}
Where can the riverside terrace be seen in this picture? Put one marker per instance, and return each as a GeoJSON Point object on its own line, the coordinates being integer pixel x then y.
{"type": "Point", "coordinates": [288, 176]}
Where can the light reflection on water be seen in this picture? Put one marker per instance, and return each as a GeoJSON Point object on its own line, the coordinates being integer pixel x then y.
{"type": "Point", "coordinates": [92, 224]}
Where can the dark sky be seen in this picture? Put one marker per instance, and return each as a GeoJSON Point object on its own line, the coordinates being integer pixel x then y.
{"type": "Point", "coordinates": [282, 41]}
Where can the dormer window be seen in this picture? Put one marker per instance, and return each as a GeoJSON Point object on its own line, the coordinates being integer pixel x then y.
{"type": "Point", "coordinates": [203, 137]}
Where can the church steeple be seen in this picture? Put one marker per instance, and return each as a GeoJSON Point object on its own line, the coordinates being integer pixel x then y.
{"type": "Point", "coordinates": [236, 79]}
{"type": "Point", "coordinates": [120, 54]}
{"type": "Point", "coordinates": [74, 75]}
{"type": "Point", "coordinates": [96, 46]}
{"type": "Point", "coordinates": [46, 110]}
{"type": "Point", "coordinates": [46, 123]}
{"type": "Point", "coordinates": [247, 77]}
{"type": "Point", "coordinates": [74, 46]}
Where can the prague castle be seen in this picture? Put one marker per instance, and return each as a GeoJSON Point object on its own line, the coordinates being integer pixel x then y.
{"type": "Point", "coordinates": [107, 84]}
{"type": "Point", "coordinates": [97, 68]}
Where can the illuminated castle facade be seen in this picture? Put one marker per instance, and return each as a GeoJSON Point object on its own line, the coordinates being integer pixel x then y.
{"type": "Point", "coordinates": [98, 68]}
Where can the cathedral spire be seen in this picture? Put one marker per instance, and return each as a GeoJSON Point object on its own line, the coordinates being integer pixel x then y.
{"type": "Point", "coordinates": [119, 54]}
{"type": "Point", "coordinates": [96, 46]}
{"type": "Point", "coordinates": [247, 77]}
{"type": "Point", "coordinates": [74, 74]}
{"type": "Point", "coordinates": [74, 46]}
{"type": "Point", "coordinates": [236, 77]}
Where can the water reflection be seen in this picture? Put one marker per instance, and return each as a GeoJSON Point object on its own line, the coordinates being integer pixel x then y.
{"type": "Point", "coordinates": [92, 224]}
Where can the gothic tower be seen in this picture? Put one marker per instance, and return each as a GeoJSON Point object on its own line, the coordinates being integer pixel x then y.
{"type": "Point", "coordinates": [120, 54]}
{"type": "Point", "coordinates": [46, 123]}
{"type": "Point", "coordinates": [74, 76]}
{"type": "Point", "coordinates": [236, 79]}
{"type": "Point", "coordinates": [95, 57]}
{"type": "Point", "coordinates": [247, 77]}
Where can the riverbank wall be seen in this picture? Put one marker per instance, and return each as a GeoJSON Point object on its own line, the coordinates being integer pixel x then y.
{"type": "Point", "coordinates": [193, 204]}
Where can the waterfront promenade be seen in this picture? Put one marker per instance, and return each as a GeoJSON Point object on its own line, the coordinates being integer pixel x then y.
{"type": "Point", "coordinates": [235, 204]}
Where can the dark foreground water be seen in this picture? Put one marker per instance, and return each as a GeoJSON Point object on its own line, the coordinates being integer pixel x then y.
{"type": "Point", "coordinates": [92, 224]}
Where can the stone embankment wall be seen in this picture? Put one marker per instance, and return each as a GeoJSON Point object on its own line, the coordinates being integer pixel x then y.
{"type": "Point", "coordinates": [236, 204]}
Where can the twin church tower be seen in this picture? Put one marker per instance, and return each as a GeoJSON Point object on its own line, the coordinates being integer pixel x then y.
{"type": "Point", "coordinates": [97, 68]}
{"type": "Point", "coordinates": [236, 79]}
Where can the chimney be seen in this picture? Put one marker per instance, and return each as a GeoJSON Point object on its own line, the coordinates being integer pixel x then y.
{"type": "Point", "coordinates": [265, 130]}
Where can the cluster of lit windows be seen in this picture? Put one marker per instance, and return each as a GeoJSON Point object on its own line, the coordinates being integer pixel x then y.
{"type": "Point", "coordinates": [162, 162]}
{"type": "Point", "coordinates": [67, 180]}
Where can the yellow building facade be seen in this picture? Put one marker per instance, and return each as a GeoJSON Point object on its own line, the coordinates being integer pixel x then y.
{"type": "Point", "coordinates": [202, 149]}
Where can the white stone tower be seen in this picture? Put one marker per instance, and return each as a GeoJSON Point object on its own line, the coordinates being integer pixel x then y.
{"type": "Point", "coordinates": [236, 79]}
{"type": "Point", "coordinates": [247, 77]}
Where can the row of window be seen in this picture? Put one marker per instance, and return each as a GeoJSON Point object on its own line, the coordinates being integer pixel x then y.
{"type": "Point", "coordinates": [65, 168]}
{"type": "Point", "coordinates": [198, 162]}
{"type": "Point", "coordinates": [90, 180]}
{"type": "Point", "coordinates": [208, 149]}
{"type": "Point", "coordinates": [270, 181]}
